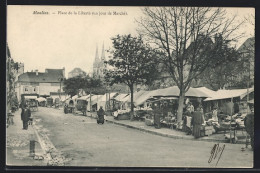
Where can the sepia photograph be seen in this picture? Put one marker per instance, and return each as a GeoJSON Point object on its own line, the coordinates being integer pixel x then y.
{"type": "Point", "coordinates": [130, 86]}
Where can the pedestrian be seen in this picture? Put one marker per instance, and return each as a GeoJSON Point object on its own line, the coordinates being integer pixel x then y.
{"type": "Point", "coordinates": [236, 107]}
{"type": "Point", "coordinates": [197, 121]}
{"type": "Point", "coordinates": [249, 126]}
{"type": "Point", "coordinates": [25, 116]}
{"type": "Point", "coordinates": [157, 113]}
{"type": "Point", "coordinates": [187, 121]}
{"type": "Point", "coordinates": [191, 107]}
{"type": "Point", "coordinates": [215, 114]}
{"type": "Point", "coordinates": [100, 113]}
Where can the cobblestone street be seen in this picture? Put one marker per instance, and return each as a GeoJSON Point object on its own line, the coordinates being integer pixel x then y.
{"type": "Point", "coordinates": [76, 140]}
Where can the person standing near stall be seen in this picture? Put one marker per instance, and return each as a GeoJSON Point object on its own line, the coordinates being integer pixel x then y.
{"type": "Point", "coordinates": [197, 121]}
{"type": "Point", "coordinates": [191, 107]}
{"type": "Point", "coordinates": [215, 114]}
{"type": "Point", "coordinates": [25, 116]}
{"type": "Point", "coordinates": [249, 126]}
{"type": "Point", "coordinates": [157, 113]}
{"type": "Point", "coordinates": [236, 107]}
{"type": "Point", "coordinates": [187, 121]}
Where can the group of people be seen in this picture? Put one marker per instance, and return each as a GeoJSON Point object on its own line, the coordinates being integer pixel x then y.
{"type": "Point", "coordinates": [193, 120]}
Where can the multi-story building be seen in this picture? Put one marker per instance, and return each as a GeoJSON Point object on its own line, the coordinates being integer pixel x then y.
{"type": "Point", "coordinates": [41, 84]}
{"type": "Point", "coordinates": [99, 65]}
{"type": "Point", "coordinates": [77, 72]}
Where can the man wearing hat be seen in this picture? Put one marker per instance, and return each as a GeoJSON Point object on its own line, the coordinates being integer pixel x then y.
{"type": "Point", "coordinates": [25, 115]}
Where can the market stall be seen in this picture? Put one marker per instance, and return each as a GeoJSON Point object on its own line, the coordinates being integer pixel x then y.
{"type": "Point", "coordinates": [32, 102]}
{"type": "Point", "coordinates": [118, 101]}
{"type": "Point", "coordinates": [69, 106]}
{"type": "Point", "coordinates": [93, 102]}
{"type": "Point", "coordinates": [41, 101]}
{"type": "Point", "coordinates": [232, 109]}
{"type": "Point", "coordinates": [81, 105]}
{"type": "Point", "coordinates": [49, 101]}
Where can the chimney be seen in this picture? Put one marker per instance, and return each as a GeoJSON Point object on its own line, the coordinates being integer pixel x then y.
{"type": "Point", "coordinates": [36, 71]}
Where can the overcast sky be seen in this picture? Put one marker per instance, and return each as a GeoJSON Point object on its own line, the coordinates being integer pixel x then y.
{"type": "Point", "coordinates": [69, 40]}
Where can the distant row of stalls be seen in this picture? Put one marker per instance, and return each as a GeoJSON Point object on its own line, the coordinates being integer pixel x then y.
{"type": "Point", "coordinates": [232, 107]}
{"type": "Point", "coordinates": [166, 99]}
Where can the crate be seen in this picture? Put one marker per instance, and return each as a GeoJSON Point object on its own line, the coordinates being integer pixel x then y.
{"type": "Point", "coordinates": [123, 117]}
{"type": "Point", "coordinates": [208, 127]}
{"type": "Point", "coordinates": [208, 132]}
{"type": "Point", "coordinates": [149, 122]}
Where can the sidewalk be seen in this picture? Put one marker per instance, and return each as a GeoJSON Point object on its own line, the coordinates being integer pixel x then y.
{"type": "Point", "coordinates": [167, 132]}
{"type": "Point", "coordinates": [18, 145]}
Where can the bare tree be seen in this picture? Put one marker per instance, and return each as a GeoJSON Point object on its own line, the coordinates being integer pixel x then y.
{"type": "Point", "coordinates": [184, 35]}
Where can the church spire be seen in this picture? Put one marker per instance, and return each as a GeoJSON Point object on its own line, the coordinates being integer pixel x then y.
{"type": "Point", "coordinates": [103, 53]}
{"type": "Point", "coordinates": [96, 58]}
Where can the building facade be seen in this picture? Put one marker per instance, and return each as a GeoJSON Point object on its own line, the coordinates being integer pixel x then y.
{"type": "Point", "coordinates": [77, 72]}
{"type": "Point", "coordinates": [99, 65]}
{"type": "Point", "coordinates": [41, 84]}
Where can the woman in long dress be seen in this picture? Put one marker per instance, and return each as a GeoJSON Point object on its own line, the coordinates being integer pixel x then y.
{"type": "Point", "coordinates": [197, 121]}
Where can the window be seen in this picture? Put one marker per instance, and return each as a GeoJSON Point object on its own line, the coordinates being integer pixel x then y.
{"type": "Point", "coordinates": [25, 89]}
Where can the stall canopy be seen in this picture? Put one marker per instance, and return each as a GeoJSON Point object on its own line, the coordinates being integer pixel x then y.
{"type": "Point", "coordinates": [74, 97]}
{"type": "Point", "coordinates": [226, 94]}
{"type": "Point", "coordinates": [174, 91]}
{"type": "Point", "coordinates": [209, 92]}
{"type": "Point", "coordinates": [120, 97]}
{"type": "Point", "coordinates": [136, 95]}
{"type": "Point", "coordinates": [30, 97]}
{"type": "Point", "coordinates": [85, 97]}
{"type": "Point", "coordinates": [41, 99]}
{"type": "Point", "coordinates": [144, 97]}
{"type": "Point", "coordinates": [95, 99]}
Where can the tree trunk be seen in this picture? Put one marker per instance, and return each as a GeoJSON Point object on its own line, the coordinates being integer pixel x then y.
{"type": "Point", "coordinates": [90, 106]}
{"type": "Point", "coordinates": [180, 107]}
{"type": "Point", "coordinates": [132, 102]}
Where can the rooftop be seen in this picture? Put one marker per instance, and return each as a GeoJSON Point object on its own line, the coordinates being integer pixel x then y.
{"type": "Point", "coordinates": [50, 75]}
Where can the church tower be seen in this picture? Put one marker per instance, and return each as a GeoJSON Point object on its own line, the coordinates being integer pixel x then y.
{"type": "Point", "coordinates": [96, 64]}
{"type": "Point", "coordinates": [99, 64]}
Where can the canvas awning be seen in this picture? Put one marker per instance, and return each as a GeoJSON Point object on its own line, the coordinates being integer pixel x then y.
{"type": "Point", "coordinates": [120, 97]}
{"type": "Point", "coordinates": [137, 94]}
{"type": "Point", "coordinates": [155, 99]}
{"type": "Point", "coordinates": [145, 96]}
{"type": "Point", "coordinates": [41, 99]}
{"type": "Point", "coordinates": [209, 92]}
{"type": "Point", "coordinates": [74, 97]}
{"type": "Point", "coordinates": [174, 91]}
{"type": "Point", "coordinates": [30, 97]}
{"type": "Point", "coordinates": [95, 99]}
{"type": "Point", "coordinates": [85, 97]}
{"type": "Point", "coordinates": [226, 94]}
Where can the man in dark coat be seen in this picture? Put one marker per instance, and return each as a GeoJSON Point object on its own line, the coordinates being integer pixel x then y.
{"type": "Point", "coordinates": [197, 121]}
{"type": "Point", "coordinates": [25, 115]}
{"type": "Point", "coordinates": [249, 126]}
{"type": "Point", "coordinates": [236, 108]}
{"type": "Point", "coordinates": [101, 114]}
{"type": "Point", "coordinates": [157, 114]}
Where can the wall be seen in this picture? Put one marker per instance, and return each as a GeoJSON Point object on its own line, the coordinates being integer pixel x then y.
{"type": "Point", "coordinates": [40, 88]}
{"type": "Point", "coordinates": [46, 88]}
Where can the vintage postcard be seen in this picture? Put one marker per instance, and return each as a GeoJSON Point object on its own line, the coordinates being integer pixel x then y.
{"type": "Point", "coordinates": [111, 86]}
